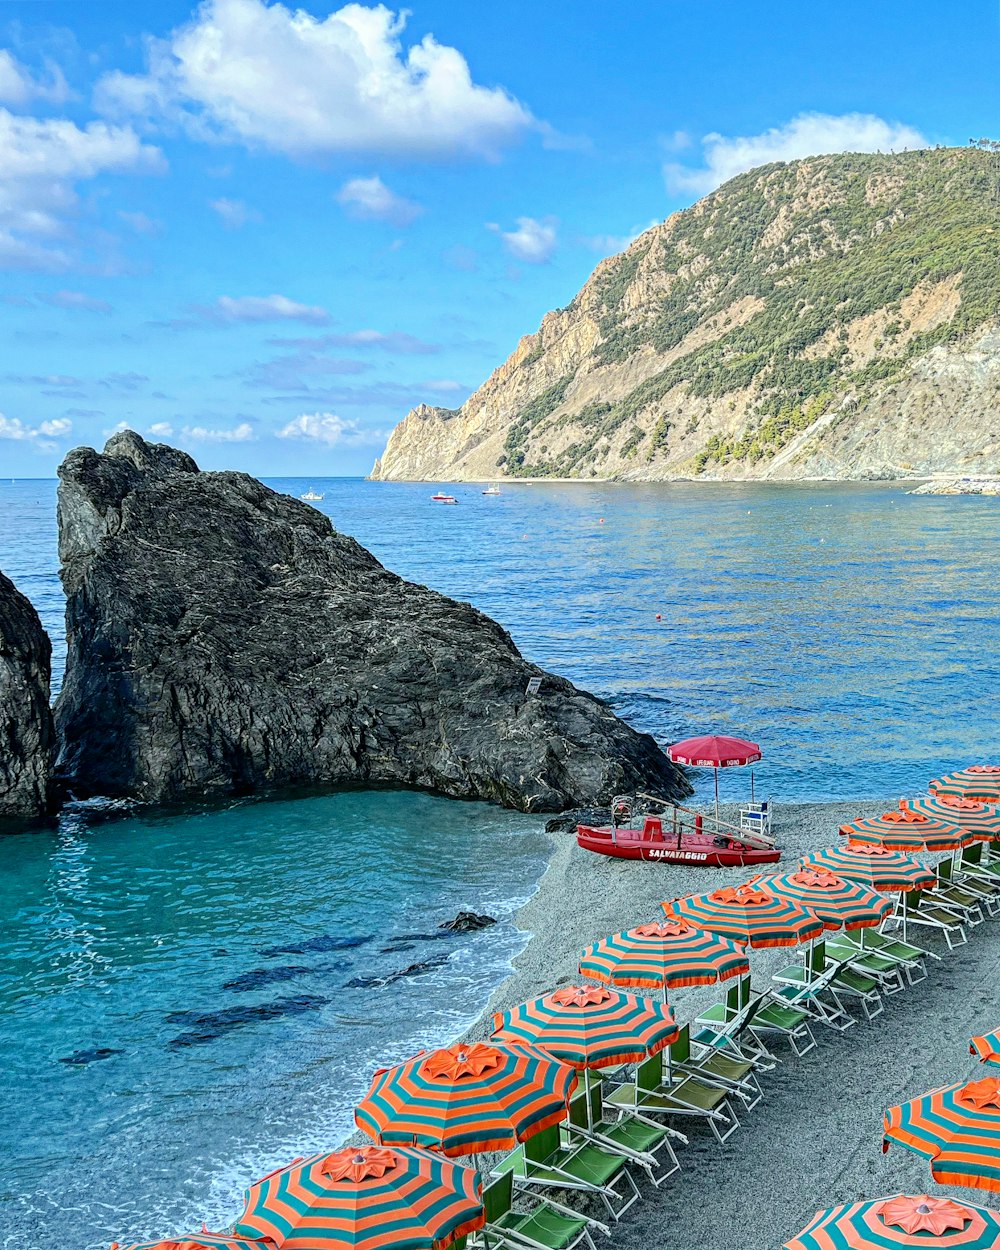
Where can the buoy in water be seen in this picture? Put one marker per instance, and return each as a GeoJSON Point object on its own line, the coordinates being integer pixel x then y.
{"type": "Point", "coordinates": [659, 617]}
{"type": "Point", "coordinates": [602, 520]}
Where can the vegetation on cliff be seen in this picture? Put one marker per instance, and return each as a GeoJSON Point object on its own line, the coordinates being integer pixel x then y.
{"type": "Point", "coordinates": [795, 292]}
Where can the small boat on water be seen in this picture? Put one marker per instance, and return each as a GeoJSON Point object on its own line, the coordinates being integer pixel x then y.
{"type": "Point", "coordinates": [311, 496]}
{"type": "Point", "coordinates": [673, 839]}
{"type": "Point", "coordinates": [492, 490]}
{"type": "Point", "coordinates": [442, 497]}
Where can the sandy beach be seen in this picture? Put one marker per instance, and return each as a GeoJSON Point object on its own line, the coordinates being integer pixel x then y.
{"type": "Point", "coordinates": [815, 1139]}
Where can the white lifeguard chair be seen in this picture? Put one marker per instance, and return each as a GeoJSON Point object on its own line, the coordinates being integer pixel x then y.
{"type": "Point", "coordinates": [756, 818]}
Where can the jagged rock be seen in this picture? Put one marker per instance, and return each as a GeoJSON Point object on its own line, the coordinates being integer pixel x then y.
{"type": "Point", "coordinates": [26, 734]}
{"type": "Point", "coordinates": [226, 639]}
{"type": "Point", "coordinates": [467, 922]}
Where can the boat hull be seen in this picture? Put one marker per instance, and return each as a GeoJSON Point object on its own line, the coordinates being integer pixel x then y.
{"type": "Point", "coordinates": [699, 850]}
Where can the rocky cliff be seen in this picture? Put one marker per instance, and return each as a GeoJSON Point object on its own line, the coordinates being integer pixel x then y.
{"type": "Point", "coordinates": [831, 317]}
{"type": "Point", "coordinates": [225, 639]}
{"type": "Point", "coordinates": [26, 734]}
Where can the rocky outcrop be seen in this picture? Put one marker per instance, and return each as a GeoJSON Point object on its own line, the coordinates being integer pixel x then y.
{"type": "Point", "coordinates": [225, 639]}
{"type": "Point", "coordinates": [26, 734]}
{"type": "Point", "coordinates": [836, 317]}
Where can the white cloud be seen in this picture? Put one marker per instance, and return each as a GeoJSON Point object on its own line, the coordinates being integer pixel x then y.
{"type": "Point", "coordinates": [253, 308]}
{"type": "Point", "coordinates": [242, 433]}
{"type": "Point", "coordinates": [331, 430]}
{"type": "Point", "coordinates": [234, 213]}
{"type": "Point", "coordinates": [266, 76]}
{"type": "Point", "coordinates": [39, 436]}
{"type": "Point", "coordinates": [161, 429]}
{"type": "Point", "coordinates": [533, 241]}
{"type": "Point", "coordinates": [40, 162]}
{"type": "Point", "coordinates": [19, 86]}
{"type": "Point", "coordinates": [371, 200]}
{"type": "Point", "coordinates": [76, 301]}
{"type": "Point", "coordinates": [808, 134]}
{"type": "Point", "coordinates": [56, 428]}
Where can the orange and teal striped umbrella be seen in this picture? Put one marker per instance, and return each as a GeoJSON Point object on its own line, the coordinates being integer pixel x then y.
{"type": "Point", "coordinates": [901, 1221]}
{"type": "Point", "coordinates": [987, 1047]}
{"type": "Point", "coordinates": [908, 831]}
{"type": "Point", "coordinates": [748, 915]}
{"type": "Point", "coordinates": [837, 901]}
{"type": "Point", "coordinates": [664, 955]}
{"type": "Point", "coordinates": [201, 1241]}
{"type": "Point", "coordinates": [981, 820]}
{"type": "Point", "coordinates": [367, 1198]}
{"type": "Point", "coordinates": [876, 866]}
{"type": "Point", "coordinates": [981, 783]}
{"type": "Point", "coordinates": [467, 1098]}
{"type": "Point", "coordinates": [957, 1128]}
{"type": "Point", "coordinates": [590, 1026]}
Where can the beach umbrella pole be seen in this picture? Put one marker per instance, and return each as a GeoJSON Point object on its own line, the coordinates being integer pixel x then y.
{"type": "Point", "coordinates": [716, 800]}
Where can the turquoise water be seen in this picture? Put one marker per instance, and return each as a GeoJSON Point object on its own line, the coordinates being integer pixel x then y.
{"type": "Point", "coordinates": [213, 955]}
{"type": "Point", "coordinates": [852, 630]}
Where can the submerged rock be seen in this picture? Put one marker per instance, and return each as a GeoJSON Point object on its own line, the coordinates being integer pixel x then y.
{"type": "Point", "coordinates": [27, 741]}
{"type": "Point", "coordinates": [80, 1057]}
{"type": "Point", "coordinates": [211, 1025]}
{"type": "Point", "coordinates": [226, 639]}
{"type": "Point", "coordinates": [389, 978]}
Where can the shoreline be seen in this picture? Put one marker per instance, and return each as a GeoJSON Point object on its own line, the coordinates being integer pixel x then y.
{"type": "Point", "coordinates": [814, 1140]}
{"type": "Point", "coordinates": [644, 481]}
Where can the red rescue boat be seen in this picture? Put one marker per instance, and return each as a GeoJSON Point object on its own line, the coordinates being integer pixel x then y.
{"type": "Point", "coordinates": [683, 843]}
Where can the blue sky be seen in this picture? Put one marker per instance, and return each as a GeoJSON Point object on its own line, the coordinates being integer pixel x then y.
{"type": "Point", "coordinates": [263, 233]}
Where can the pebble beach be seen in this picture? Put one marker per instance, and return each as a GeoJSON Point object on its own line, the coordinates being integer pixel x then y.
{"type": "Point", "coordinates": [815, 1139]}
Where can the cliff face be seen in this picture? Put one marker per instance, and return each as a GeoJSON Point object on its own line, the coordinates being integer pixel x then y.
{"type": "Point", "coordinates": [831, 317]}
{"type": "Point", "coordinates": [26, 734]}
{"type": "Point", "coordinates": [226, 639]}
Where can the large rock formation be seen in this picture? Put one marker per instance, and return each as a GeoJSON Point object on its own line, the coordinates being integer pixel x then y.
{"type": "Point", "coordinates": [833, 317]}
{"type": "Point", "coordinates": [26, 734]}
{"type": "Point", "coordinates": [226, 639]}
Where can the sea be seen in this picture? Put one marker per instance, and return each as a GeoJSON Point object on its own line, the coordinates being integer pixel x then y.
{"type": "Point", "coordinates": [187, 1001]}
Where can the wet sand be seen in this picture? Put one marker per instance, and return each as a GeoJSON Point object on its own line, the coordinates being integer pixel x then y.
{"type": "Point", "coordinates": [815, 1139]}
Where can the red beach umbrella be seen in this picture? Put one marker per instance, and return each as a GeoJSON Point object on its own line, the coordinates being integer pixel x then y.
{"type": "Point", "coordinates": [716, 751]}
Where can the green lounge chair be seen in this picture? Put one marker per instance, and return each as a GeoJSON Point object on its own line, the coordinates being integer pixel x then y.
{"type": "Point", "coordinates": [528, 1222]}
{"type": "Point", "coordinates": [728, 1028]}
{"type": "Point", "coordinates": [814, 993]}
{"type": "Point", "coordinates": [846, 982]}
{"type": "Point", "coordinates": [954, 899]}
{"type": "Point", "coordinates": [650, 1095]}
{"type": "Point", "coordinates": [888, 973]}
{"type": "Point", "coordinates": [918, 909]}
{"type": "Point", "coordinates": [911, 958]}
{"type": "Point", "coordinates": [715, 1067]}
{"type": "Point", "coordinates": [642, 1142]}
{"type": "Point", "coordinates": [546, 1161]}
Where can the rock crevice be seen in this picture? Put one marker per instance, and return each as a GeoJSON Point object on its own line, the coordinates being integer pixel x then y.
{"type": "Point", "coordinates": [225, 639]}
